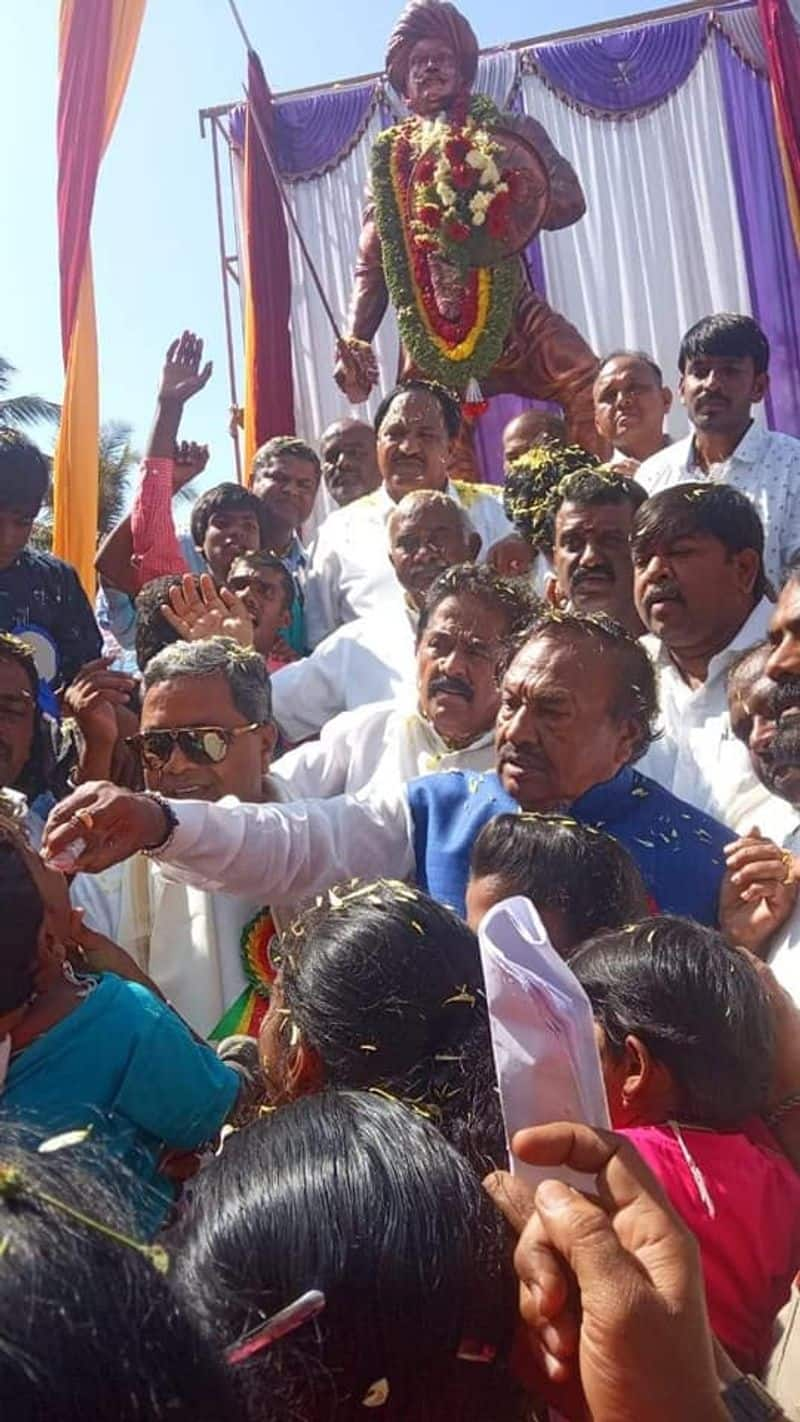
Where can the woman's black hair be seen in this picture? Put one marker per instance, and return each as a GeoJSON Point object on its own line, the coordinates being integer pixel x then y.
{"type": "Point", "coordinates": [355, 1196]}
{"type": "Point", "coordinates": [558, 863]}
{"type": "Point", "coordinates": [89, 1330]}
{"type": "Point", "coordinates": [446, 400]}
{"type": "Point", "coordinates": [697, 1004]}
{"type": "Point", "coordinates": [23, 914]}
{"type": "Point", "coordinates": [386, 986]}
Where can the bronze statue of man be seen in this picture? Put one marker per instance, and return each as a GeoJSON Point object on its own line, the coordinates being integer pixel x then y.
{"type": "Point", "coordinates": [432, 60]}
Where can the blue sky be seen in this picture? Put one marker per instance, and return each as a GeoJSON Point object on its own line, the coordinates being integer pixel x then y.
{"type": "Point", "coordinates": [154, 231]}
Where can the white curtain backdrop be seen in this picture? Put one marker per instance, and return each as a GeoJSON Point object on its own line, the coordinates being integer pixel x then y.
{"type": "Point", "coordinates": [660, 244]}
{"type": "Point", "coordinates": [328, 210]}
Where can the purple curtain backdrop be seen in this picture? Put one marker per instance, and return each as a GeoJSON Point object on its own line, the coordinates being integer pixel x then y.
{"type": "Point", "coordinates": [314, 134]}
{"type": "Point", "coordinates": [633, 69]}
{"type": "Point", "coordinates": [773, 262]}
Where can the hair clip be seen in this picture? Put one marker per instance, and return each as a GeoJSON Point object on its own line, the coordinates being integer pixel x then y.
{"type": "Point", "coordinates": [377, 1394]}
{"type": "Point", "coordinates": [470, 1351]}
{"type": "Point", "coordinates": [287, 1320]}
{"type": "Point", "coordinates": [13, 1185]}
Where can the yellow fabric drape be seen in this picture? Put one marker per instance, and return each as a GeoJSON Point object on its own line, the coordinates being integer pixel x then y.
{"type": "Point", "coordinates": [75, 477]}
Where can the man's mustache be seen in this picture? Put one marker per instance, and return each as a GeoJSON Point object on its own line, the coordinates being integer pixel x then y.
{"type": "Point", "coordinates": [600, 570]}
{"type": "Point", "coordinates": [452, 685]}
{"type": "Point", "coordinates": [664, 592]}
{"type": "Point", "coordinates": [524, 755]}
{"type": "Point", "coordinates": [786, 695]}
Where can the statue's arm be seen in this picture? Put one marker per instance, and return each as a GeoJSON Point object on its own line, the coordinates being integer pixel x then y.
{"type": "Point", "coordinates": [370, 296]}
{"type": "Point", "coordinates": [567, 203]}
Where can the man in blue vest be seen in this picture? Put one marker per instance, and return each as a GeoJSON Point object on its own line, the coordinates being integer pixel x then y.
{"type": "Point", "coordinates": [577, 710]}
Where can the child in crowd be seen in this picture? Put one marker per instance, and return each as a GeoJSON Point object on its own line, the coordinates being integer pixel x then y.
{"type": "Point", "coordinates": [128, 1351]}
{"type": "Point", "coordinates": [579, 879]}
{"type": "Point", "coordinates": [354, 1197]}
{"type": "Point", "coordinates": [267, 590]}
{"type": "Point", "coordinates": [95, 1053]}
{"type": "Point", "coordinates": [686, 1039]}
{"type": "Point", "coordinates": [381, 988]}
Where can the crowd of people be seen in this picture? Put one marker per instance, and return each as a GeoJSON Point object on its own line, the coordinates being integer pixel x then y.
{"type": "Point", "coordinates": [256, 805]}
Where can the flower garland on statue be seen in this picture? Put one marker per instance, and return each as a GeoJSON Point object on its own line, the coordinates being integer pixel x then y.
{"type": "Point", "coordinates": [461, 202]}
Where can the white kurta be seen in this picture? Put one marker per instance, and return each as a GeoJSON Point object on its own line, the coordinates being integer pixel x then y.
{"type": "Point", "coordinates": [371, 659]}
{"type": "Point", "coordinates": [349, 573]}
{"type": "Point", "coordinates": [698, 757]}
{"type": "Point", "coordinates": [765, 466]}
{"type": "Point", "coordinates": [187, 939]}
{"type": "Point", "coordinates": [380, 746]}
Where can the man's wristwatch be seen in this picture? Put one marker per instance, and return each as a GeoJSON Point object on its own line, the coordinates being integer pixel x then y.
{"type": "Point", "coordinates": [747, 1401]}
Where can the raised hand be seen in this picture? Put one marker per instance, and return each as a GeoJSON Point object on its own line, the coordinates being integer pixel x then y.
{"type": "Point", "coordinates": [99, 825]}
{"type": "Point", "coordinates": [190, 460]}
{"type": "Point", "coordinates": [183, 376]}
{"type": "Point", "coordinates": [92, 698]}
{"type": "Point", "coordinates": [611, 1289]}
{"type": "Point", "coordinates": [200, 612]}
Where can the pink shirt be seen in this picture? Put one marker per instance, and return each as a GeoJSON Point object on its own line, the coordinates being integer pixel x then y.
{"type": "Point", "coordinates": [742, 1203]}
{"type": "Point", "coordinates": [156, 550]}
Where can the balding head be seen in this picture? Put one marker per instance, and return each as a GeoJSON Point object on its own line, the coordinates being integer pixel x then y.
{"type": "Point", "coordinates": [530, 429]}
{"type": "Point", "coordinates": [428, 533]}
{"type": "Point", "coordinates": [349, 465]}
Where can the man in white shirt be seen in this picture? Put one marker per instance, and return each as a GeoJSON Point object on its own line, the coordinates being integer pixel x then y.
{"type": "Point", "coordinates": [349, 460]}
{"type": "Point", "coordinates": [631, 403]}
{"type": "Point", "coordinates": [373, 658]}
{"type": "Point", "coordinates": [699, 586]}
{"type": "Point", "coordinates": [206, 733]}
{"type": "Point", "coordinates": [723, 365]}
{"type": "Point", "coordinates": [349, 575]}
{"type": "Point", "coordinates": [463, 640]}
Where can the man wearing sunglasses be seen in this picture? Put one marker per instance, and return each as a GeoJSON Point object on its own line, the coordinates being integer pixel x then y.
{"type": "Point", "coordinates": [206, 733]}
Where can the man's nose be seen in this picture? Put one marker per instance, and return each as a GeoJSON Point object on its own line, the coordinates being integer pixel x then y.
{"type": "Point", "coordinates": [590, 554]}
{"type": "Point", "coordinates": [784, 659]}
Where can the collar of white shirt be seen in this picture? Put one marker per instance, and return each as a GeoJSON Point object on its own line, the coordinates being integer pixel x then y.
{"type": "Point", "coordinates": [752, 447]}
{"type": "Point", "coordinates": [751, 632]}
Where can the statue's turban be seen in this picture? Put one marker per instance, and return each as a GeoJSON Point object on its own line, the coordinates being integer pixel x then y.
{"type": "Point", "coordinates": [435, 20]}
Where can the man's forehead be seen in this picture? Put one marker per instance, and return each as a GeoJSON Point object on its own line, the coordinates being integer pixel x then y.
{"type": "Point", "coordinates": [464, 610]}
{"type": "Point", "coordinates": [753, 697]}
{"type": "Point", "coordinates": [347, 432]}
{"type": "Point", "coordinates": [14, 678]}
{"type": "Point", "coordinates": [414, 405]}
{"type": "Point", "coordinates": [427, 516]}
{"type": "Point", "coordinates": [173, 692]}
{"type": "Point", "coordinates": [625, 367]}
{"type": "Point", "coordinates": [544, 658]}
{"type": "Point", "coordinates": [578, 516]}
{"type": "Point", "coordinates": [433, 44]}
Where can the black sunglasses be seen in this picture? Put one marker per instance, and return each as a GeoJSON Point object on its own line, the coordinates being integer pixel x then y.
{"type": "Point", "coordinates": [203, 745]}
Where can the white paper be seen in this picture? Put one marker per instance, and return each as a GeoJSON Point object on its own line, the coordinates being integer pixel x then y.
{"type": "Point", "coordinates": [543, 1039]}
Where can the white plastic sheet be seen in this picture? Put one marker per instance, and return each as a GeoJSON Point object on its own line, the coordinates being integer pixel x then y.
{"type": "Point", "coordinates": [545, 1050]}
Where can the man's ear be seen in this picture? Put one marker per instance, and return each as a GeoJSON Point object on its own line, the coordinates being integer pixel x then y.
{"type": "Point", "coordinates": [50, 957]}
{"type": "Point", "coordinates": [666, 395]}
{"type": "Point", "coordinates": [760, 387]}
{"type": "Point", "coordinates": [747, 564]}
{"type": "Point", "coordinates": [681, 388]}
{"type": "Point", "coordinates": [474, 543]}
{"type": "Point", "coordinates": [285, 619]}
{"type": "Point", "coordinates": [553, 595]}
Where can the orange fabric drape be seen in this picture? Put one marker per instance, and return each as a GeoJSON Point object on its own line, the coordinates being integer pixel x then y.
{"type": "Point", "coordinates": [97, 44]}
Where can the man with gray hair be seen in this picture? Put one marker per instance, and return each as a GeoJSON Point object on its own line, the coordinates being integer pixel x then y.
{"type": "Point", "coordinates": [206, 733]}
{"type": "Point", "coordinates": [373, 658]}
